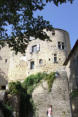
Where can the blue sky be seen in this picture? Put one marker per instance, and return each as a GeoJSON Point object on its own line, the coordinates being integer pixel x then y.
{"type": "Point", "coordinates": [64, 16]}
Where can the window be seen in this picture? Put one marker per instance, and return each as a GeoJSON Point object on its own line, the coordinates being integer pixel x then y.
{"type": "Point", "coordinates": [49, 59]}
{"type": "Point", "coordinates": [5, 60]}
{"type": "Point", "coordinates": [32, 65]}
{"type": "Point", "coordinates": [55, 58]}
{"type": "Point", "coordinates": [3, 87]}
{"type": "Point", "coordinates": [40, 61]}
{"type": "Point", "coordinates": [53, 33]}
{"type": "Point", "coordinates": [61, 45]}
{"type": "Point", "coordinates": [35, 48]}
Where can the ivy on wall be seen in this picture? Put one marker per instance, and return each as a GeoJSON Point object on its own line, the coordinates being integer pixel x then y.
{"type": "Point", "coordinates": [24, 91]}
{"type": "Point", "coordinates": [33, 80]}
{"type": "Point", "coordinates": [50, 79]}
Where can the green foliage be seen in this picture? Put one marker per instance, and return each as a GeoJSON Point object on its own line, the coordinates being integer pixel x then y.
{"type": "Point", "coordinates": [19, 15]}
{"type": "Point", "coordinates": [24, 91]}
{"type": "Point", "coordinates": [32, 81]}
{"type": "Point", "coordinates": [50, 79]}
{"type": "Point", "coordinates": [15, 87]}
{"type": "Point", "coordinates": [74, 93]}
{"type": "Point", "coordinates": [26, 105]}
{"type": "Point", "coordinates": [57, 2]}
{"type": "Point", "coordinates": [8, 107]}
{"type": "Point", "coordinates": [7, 110]}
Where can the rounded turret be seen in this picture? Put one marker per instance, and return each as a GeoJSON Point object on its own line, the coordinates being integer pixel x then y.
{"type": "Point", "coordinates": [48, 56]}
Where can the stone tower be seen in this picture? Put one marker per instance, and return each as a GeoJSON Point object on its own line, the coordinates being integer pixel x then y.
{"type": "Point", "coordinates": [48, 56]}
{"type": "Point", "coordinates": [41, 56]}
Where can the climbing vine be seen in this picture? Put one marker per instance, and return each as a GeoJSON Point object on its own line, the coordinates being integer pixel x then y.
{"type": "Point", "coordinates": [24, 91]}
{"type": "Point", "coordinates": [50, 79]}
{"type": "Point", "coordinates": [32, 81]}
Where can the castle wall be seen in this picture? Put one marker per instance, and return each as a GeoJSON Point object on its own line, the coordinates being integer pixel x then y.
{"type": "Point", "coordinates": [48, 56]}
{"type": "Point", "coordinates": [47, 51]}
{"type": "Point", "coordinates": [58, 98]}
{"type": "Point", "coordinates": [72, 70]}
{"type": "Point", "coordinates": [4, 65]}
{"type": "Point", "coordinates": [17, 67]}
{"type": "Point", "coordinates": [42, 56]}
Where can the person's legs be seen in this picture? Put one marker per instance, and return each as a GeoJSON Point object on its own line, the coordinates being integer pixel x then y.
{"type": "Point", "coordinates": [49, 115]}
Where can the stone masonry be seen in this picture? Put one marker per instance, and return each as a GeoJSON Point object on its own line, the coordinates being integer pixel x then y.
{"type": "Point", "coordinates": [42, 53]}
{"type": "Point", "coordinates": [42, 56]}
{"type": "Point", "coordinates": [46, 51]}
{"type": "Point", "coordinates": [58, 98]}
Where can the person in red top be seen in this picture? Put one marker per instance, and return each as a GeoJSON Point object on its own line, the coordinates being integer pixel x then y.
{"type": "Point", "coordinates": [49, 112]}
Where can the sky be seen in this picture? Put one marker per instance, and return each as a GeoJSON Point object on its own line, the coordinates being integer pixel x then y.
{"type": "Point", "coordinates": [64, 16]}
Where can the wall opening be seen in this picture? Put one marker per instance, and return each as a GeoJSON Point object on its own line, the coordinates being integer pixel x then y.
{"type": "Point", "coordinates": [61, 45]}
{"type": "Point", "coordinates": [55, 58]}
{"type": "Point", "coordinates": [32, 65]}
{"type": "Point", "coordinates": [40, 61]}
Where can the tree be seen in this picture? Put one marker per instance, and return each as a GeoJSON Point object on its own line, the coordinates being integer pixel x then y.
{"type": "Point", "coordinates": [18, 14]}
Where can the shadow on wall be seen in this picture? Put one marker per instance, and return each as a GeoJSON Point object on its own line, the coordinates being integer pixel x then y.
{"type": "Point", "coordinates": [73, 85]}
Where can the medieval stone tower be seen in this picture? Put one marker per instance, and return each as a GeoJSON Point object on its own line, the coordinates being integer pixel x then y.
{"type": "Point", "coordinates": [48, 56]}
{"type": "Point", "coordinates": [42, 56]}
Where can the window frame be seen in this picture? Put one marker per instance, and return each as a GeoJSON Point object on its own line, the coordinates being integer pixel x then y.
{"type": "Point", "coordinates": [34, 48]}
{"type": "Point", "coordinates": [55, 58]}
{"type": "Point", "coordinates": [40, 61]}
{"type": "Point", "coordinates": [32, 64]}
{"type": "Point", "coordinates": [61, 45]}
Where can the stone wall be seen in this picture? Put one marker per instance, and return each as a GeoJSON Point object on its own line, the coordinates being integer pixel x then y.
{"type": "Point", "coordinates": [74, 103]}
{"type": "Point", "coordinates": [58, 98]}
{"type": "Point", "coordinates": [46, 51]}
{"type": "Point", "coordinates": [12, 66]}
{"type": "Point", "coordinates": [17, 67]}
{"type": "Point", "coordinates": [72, 70]}
{"type": "Point", "coordinates": [72, 73]}
{"type": "Point", "coordinates": [4, 64]}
